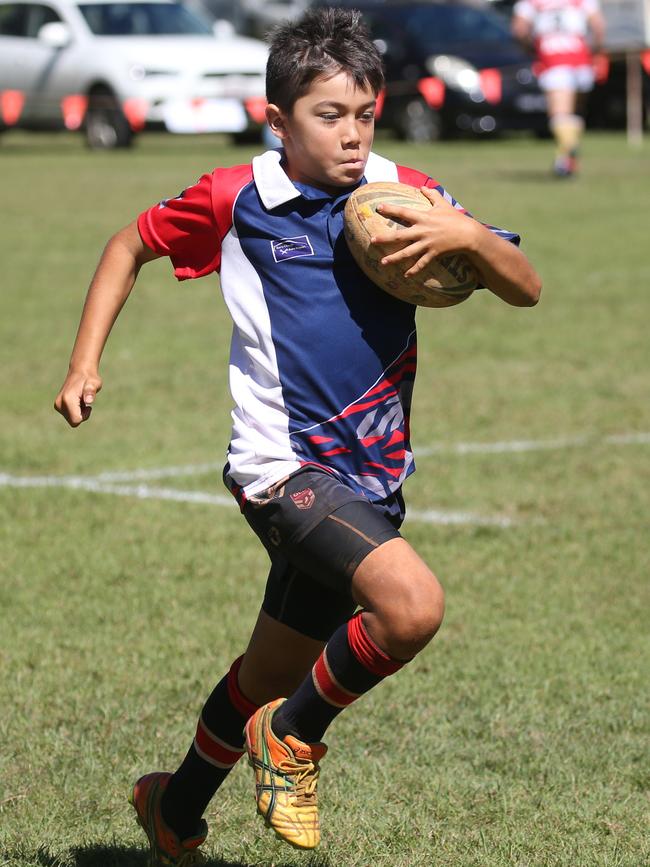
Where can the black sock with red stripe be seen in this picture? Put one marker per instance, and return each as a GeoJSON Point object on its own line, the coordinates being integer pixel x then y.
{"type": "Point", "coordinates": [350, 665]}
{"type": "Point", "coordinates": [218, 745]}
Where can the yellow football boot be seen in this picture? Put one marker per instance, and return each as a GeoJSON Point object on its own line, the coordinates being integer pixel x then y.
{"type": "Point", "coordinates": [286, 777]}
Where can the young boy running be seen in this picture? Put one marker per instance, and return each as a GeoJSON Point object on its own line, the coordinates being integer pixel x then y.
{"type": "Point", "coordinates": [321, 372]}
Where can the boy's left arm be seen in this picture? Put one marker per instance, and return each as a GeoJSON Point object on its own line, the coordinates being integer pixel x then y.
{"type": "Point", "coordinates": [443, 230]}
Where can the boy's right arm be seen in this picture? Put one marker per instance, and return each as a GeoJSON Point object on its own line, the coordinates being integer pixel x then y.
{"type": "Point", "coordinates": [114, 278]}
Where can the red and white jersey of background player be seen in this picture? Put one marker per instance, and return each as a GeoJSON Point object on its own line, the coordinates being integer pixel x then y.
{"type": "Point", "coordinates": [322, 362]}
{"type": "Point", "coordinates": [559, 30]}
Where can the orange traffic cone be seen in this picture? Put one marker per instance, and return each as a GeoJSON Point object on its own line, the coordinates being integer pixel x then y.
{"type": "Point", "coordinates": [74, 110]}
{"type": "Point", "coordinates": [11, 106]}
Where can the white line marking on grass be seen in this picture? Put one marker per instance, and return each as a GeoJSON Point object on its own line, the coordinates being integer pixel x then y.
{"type": "Point", "coordinates": [630, 439]}
{"type": "Point", "coordinates": [509, 446]}
{"type": "Point", "coordinates": [162, 472]}
{"type": "Point", "coordinates": [107, 483]}
{"type": "Point", "coordinates": [437, 516]}
{"type": "Point", "coordinates": [147, 492]}
{"type": "Point", "coordinates": [95, 486]}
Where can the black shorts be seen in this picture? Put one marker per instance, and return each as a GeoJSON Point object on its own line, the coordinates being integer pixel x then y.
{"type": "Point", "coordinates": [316, 532]}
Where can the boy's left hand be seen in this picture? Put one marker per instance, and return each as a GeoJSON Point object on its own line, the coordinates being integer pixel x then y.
{"type": "Point", "coordinates": [439, 231]}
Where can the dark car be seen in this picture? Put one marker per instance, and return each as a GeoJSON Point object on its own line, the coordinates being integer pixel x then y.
{"type": "Point", "coordinates": [451, 67]}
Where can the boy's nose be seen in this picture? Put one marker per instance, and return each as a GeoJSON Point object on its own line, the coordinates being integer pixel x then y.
{"type": "Point", "coordinates": [351, 134]}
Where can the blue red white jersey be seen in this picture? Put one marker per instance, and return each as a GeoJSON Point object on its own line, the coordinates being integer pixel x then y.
{"type": "Point", "coordinates": [322, 362]}
{"type": "Point", "coordinates": [559, 30]}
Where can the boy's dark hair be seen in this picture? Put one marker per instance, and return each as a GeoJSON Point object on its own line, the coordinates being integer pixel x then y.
{"type": "Point", "coordinates": [322, 43]}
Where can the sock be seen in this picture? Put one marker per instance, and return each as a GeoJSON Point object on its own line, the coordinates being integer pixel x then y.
{"type": "Point", "coordinates": [217, 747]}
{"type": "Point", "coordinates": [350, 665]}
{"type": "Point", "coordinates": [567, 130]}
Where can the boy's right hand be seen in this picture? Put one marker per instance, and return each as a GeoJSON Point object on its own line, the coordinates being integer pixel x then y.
{"type": "Point", "coordinates": [77, 396]}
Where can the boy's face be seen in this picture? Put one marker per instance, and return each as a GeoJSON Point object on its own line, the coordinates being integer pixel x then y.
{"type": "Point", "coordinates": [328, 134]}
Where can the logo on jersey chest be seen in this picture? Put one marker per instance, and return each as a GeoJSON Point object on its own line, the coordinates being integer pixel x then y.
{"type": "Point", "coordinates": [291, 248]}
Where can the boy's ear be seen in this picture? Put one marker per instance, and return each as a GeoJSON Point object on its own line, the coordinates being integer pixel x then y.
{"type": "Point", "coordinates": [275, 119]}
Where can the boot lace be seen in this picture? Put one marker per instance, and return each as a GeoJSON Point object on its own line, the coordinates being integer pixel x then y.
{"type": "Point", "coordinates": [305, 774]}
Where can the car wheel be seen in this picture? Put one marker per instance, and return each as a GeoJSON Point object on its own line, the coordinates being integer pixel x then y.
{"type": "Point", "coordinates": [418, 123]}
{"type": "Point", "coordinates": [105, 126]}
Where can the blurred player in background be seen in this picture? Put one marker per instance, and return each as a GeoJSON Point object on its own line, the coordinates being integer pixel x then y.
{"type": "Point", "coordinates": [565, 35]}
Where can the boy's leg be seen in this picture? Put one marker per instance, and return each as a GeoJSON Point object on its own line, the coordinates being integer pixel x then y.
{"type": "Point", "coordinates": [170, 806]}
{"type": "Point", "coordinates": [567, 127]}
{"type": "Point", "coordinates": [296, 618]}
{"type": "Point", "coordinates": [276, 661]}
{"type": "Point", "coordinates": [402, 608]}
{"type": "Point", "coordinates": [357, 548]}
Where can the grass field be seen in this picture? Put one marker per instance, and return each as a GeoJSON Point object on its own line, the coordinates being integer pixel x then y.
{"type": "Point", "coordinates": [521, 735]}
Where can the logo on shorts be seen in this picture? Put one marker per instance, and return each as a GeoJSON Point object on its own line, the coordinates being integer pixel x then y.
{"type": "Point", "coordinates": [304, 499]}
{"type": "Point", "coordinates": [291, 248]}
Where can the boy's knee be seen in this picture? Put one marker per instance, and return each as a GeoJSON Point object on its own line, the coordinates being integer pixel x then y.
{"type": "Point", "coordinates": [419, 623]}
{"type": "Point", "coordinates": [436, 610]}
{"type": "Point", "coordinates": [412, 618]}
{"type": "Point", "coordinates": [402, 598]}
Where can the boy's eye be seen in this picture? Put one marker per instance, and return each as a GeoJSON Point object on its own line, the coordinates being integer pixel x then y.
{"type": "Point", "coordinates": [332, 116]}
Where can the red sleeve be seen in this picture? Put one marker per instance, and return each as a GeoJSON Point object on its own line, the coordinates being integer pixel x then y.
{"type": "Point", "coordinates": [185, 229]}
{"type": "Point", "coordinates": [415, 178]}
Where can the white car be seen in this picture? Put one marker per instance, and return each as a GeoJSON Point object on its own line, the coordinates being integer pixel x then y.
{"type": "Point", "coordinates": [113, 67]}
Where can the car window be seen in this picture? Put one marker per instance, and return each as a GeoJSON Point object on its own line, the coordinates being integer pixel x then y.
{"type": "Point", "coordinates": [142, 19]}
{"type": "Point", "coordinates": [13, 19]}
{"type": "Point", "coordinates": [386, 26]}
{"type": "Point", "coordinates": [454, 25]}
{"type": "Point", "coordinates": [40, 14]}
{"type": "Point", "coordinates": [383, 26]}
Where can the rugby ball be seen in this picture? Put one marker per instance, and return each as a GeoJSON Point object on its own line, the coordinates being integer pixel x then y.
{"type": "Point", "coordinates": [444, 282]}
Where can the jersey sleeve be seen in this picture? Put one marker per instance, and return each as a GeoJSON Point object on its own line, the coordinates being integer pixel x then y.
{"type": "Point", "coordinates": [414, 178]}
{"type": "Point", "coordinates": [419, 179]}
{"type": "Point", "coordinates": [185, 229]}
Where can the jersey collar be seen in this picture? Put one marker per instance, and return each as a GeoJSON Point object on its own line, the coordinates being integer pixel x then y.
{"type": "Point", "coordinates": [275, 188]}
